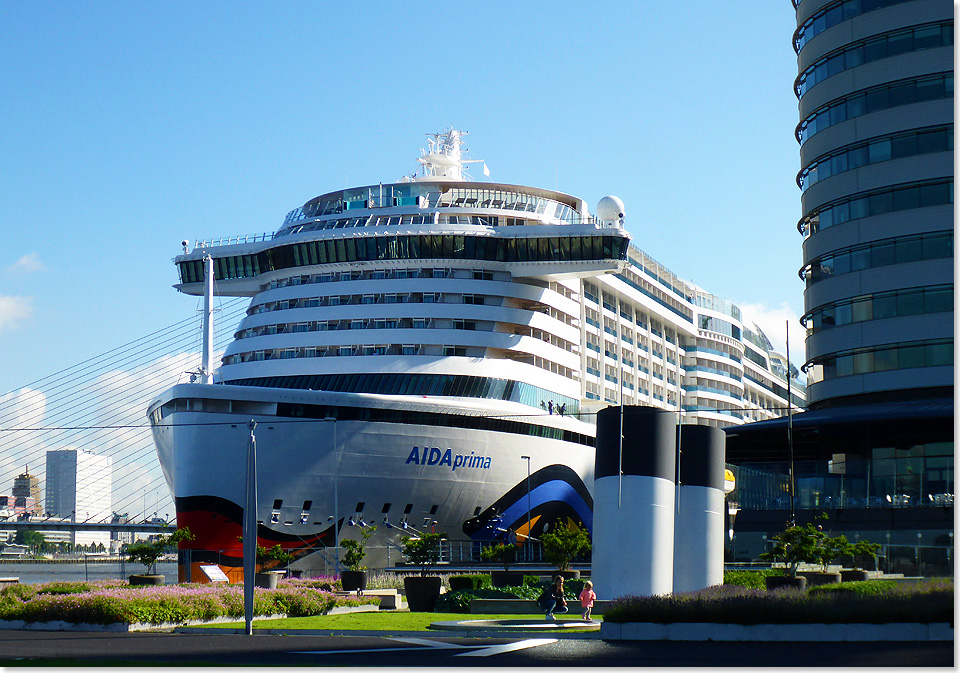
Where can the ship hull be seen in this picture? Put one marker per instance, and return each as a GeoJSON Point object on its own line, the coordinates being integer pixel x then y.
{"type": "Point", "coordinates": [387, 470]}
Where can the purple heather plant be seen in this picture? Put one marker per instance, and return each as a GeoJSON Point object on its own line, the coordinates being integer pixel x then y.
{"type": "Point", "coordinates": [111, 602]}
{"type": "Point", "coordinates": [927, 602]}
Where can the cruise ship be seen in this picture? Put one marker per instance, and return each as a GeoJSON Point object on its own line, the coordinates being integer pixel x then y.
{"type": "Point", "coordinates": [429, 354]}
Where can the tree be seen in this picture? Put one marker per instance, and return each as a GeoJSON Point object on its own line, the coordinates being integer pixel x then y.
{"type": "Point", "coordinates": [863, 551]}
{"type": "Point", "coordinates": [147, 553]}
{"type": "Point", "coordinates": [806, 544]}
{"type": "Point", "coordinates": [502, 553]}
{"type": "Point", "coordinates": [274, 554]}
{"type": "Point", "coordinates": [832, 549]}
{"type": "Point", "coordinates": [33, 539]}
{"type": "Point", "coordinates": [355, 551]}
{"type": "Point", "coordinates": [562, 544]}
{"type": "Point", "coordinates": [423, 551]}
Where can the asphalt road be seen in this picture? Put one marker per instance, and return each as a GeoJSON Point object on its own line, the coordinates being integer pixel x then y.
{"type": "Point", "coordinates": [65, 649]}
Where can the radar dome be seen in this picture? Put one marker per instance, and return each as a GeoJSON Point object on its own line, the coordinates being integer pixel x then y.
{"type": "Point", "coordinates": [610, 209]}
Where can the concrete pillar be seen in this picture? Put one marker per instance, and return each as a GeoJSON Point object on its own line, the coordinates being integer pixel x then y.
{"type": "Point", "coordinates": [633, 507]}
{"type": "Point", "coordinates": [698, 530]}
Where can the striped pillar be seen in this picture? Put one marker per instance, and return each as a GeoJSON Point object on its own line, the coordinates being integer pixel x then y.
{"type": "Point", "coordinates": [633, 510]}
{"type": "Point", "coordinates": [698, 531]}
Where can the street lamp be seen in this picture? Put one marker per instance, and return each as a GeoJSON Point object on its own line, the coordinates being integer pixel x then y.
{"type": "Point", "coordinates": [336, 496]}
{"type": "Point", "coordinates": [250, 530]}
{"type": "Point", "coordinates": [529, 529]}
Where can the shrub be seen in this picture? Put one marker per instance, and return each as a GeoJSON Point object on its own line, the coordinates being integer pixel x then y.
{"type": "Point", "coordinates": [106, 603]}
{"type": "Point", "coordinates": [925, 602]}
{"type": "Point", "coordinates": [423, 551]}
{"type": "Point", "coordinates": [563, 544]}
{"type": "Point", "coordinates": [453, 601]}
{"type": "Point", "coordinates": [356, 549]}
{"type": "Point", "coordinates": [755, 579]}
{"type": "Point", "coordinates": [501, 553]}
{"type": "Point", "coordinates": [468, 582]}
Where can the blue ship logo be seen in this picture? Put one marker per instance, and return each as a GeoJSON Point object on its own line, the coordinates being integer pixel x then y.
{"type": "Point", "coordinates": [434, 456]}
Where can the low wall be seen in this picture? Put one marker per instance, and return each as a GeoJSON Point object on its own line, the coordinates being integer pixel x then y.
{"type": "Point", "coordinates": [909, 632]}
{"type": "Point", "coordinates": [522, 606]}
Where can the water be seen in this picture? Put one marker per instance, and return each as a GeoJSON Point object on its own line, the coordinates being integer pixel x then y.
{"type": "Point", "coordinates": [34, 573]}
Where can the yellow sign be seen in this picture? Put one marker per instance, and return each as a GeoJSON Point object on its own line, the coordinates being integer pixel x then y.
{"type": "Point", "coordinates": [729, 483]}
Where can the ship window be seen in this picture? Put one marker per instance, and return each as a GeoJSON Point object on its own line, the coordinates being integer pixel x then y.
{"type": "Point", "coordinates": [277, 504]}
{"type": "Point", "coordinates": [408, 509]}
{"type": "Point", "coordinates": [433, 510]}
{"type": "Point", "coordinates": [307, 504]}
{"type": "Point", "coordinates": [476, 512]}
{"type": "Point", "coordinates": [386, 508]}
{"type": "Point", "coordinates": [360, 507]}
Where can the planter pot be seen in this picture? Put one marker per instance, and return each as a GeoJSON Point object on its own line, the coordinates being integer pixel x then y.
{"type": "Point", "coordinates": [147, 580]}
{"type": "Point", "coordinates": [353, 580]}
{"type": "Point", "coordinates": [266, 580]}
{"type": "Point", "coordinates": [507, 578]}
{"type": "Point", "coordinates": [785, 581]}
{"type": "Point", "coordinates": [422, 592]}
{"type": "Point", "coordinates": [815, 579]}
{"type": "Point", "coordinates": [854, 575]}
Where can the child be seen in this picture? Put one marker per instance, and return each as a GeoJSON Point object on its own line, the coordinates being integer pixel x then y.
{"type": "Point", "coordinates": [586, 600]}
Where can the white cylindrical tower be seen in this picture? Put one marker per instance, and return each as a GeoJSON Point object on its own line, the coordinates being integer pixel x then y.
{"type": "Point", "coordinates": [698, 527]}
{"type": "Point", "coordinates": [633, 502]}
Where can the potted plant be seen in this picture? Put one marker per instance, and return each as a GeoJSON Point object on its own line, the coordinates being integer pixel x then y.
{"type": "Point", "coordinates": [562, 544]}
{"type": "Point", "coordinates": [355, 577]}
{"type": "Point", "coordinates": [147, 554]}
{"type": "Point", "coordinates": [803, 544]}
{"type": "Point", "coordinates": [861, 551]}
{"type": "Point", "coordinates": [831, 548]}
{"type": "Point", "coordinates": [268, 579]}
{"type": "Point", "coordinates": [505, 554]}
{"type": "Point", "coordinates": [424, 551]}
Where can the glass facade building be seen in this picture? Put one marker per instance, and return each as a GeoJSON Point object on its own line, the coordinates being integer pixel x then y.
{"type": "Point", "coordinates": [875, 133]}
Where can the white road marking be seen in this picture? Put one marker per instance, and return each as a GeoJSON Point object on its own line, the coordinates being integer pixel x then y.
{"type": "Point", "coordinates": [368, 651]}
{"type": "Point", "coordinates": [425, 644]}
{"type": "Point", "coordinates": [432, 643]}
{"type": "Point", "coordinates": [509, 647]}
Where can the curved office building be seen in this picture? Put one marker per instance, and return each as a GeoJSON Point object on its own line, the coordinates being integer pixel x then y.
{"type": "Point", "coordinates": [876, 156]}
{"type": "Point", "coordinates": [875, 134]}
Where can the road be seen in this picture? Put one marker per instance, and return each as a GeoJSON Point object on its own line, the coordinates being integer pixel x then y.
{"type": "Point", "coordinates": [427, 649]}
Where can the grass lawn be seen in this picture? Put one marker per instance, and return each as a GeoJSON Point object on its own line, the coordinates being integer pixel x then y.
{"type": "Point", "coordinates": [378, 621]}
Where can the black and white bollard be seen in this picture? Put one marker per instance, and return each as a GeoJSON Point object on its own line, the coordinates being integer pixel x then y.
{"type": "Point", "coordinates": [633, 502]}
{"type": "Point", "coordinates": [698, 530]}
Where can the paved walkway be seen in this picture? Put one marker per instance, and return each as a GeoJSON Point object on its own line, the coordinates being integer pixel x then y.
{"type": "Point", "coordinates": [516, 625]}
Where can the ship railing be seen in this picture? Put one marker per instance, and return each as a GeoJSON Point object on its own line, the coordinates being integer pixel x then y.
{"type": "Point", "coordinates": [468, 551]}
{"type": "Point", "coordinates": [234, 240]}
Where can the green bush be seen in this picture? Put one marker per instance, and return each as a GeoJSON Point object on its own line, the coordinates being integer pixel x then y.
{"type": "Point", "coordinates": [454, 601]}
{"type": "Point", "coordinates": [755, 579]}
{"type": "Point", "coordinates": [468, 582]}
{"type": "Point", "coordinates": [925, 602]}
{"type": "Point", "coordinates": [103, 603]}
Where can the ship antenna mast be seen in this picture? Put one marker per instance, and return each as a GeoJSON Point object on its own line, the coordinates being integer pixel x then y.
{"type": "Point", "coordinates": [443, 158]}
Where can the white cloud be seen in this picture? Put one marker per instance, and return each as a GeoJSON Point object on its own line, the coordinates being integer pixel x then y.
{"type": "Point", "coordinates": [114, 398]}
{"type": "Point", "coordinates": [773, 322]}
{"type": "Point", "coordinates": [22, 408]}
{"type": "Point", "coordinates": [29, 263]}
{"type": "Point", "coordinates": [14, 310]}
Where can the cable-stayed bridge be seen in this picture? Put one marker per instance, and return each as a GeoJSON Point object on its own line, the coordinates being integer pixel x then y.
{"type": "Point", "coordinates": [99, 405]}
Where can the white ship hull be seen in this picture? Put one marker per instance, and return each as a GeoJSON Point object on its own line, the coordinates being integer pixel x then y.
{"type": "Point", "coordinates": [468, 483]}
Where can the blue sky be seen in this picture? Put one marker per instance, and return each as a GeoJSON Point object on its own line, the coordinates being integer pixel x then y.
{"type": "Point", "coordinates": [129, 126]}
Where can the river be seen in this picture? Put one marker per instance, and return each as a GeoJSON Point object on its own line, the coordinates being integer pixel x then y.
{"type": "Point", "coordinates": [36, 572]}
